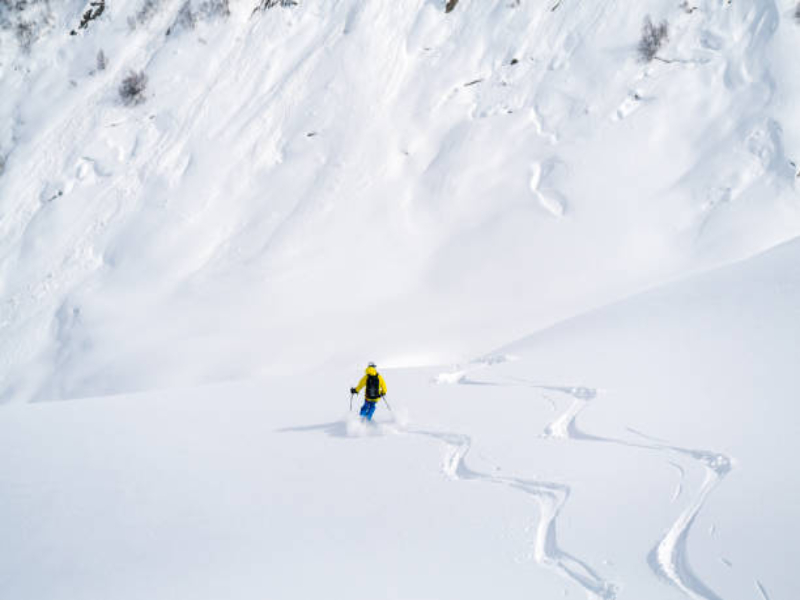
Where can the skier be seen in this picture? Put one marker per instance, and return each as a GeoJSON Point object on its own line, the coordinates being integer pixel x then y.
{"type": "Point", "coordinates": [375, 390]}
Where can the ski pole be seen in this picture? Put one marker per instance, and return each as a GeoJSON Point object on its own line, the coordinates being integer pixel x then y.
{"type": "Point", "coordinates": [388, 405]}
{"type": "Point", "coordinates": [351, 402]}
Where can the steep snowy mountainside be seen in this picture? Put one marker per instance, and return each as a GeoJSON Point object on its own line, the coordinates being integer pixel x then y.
{"type": "Point", "coordinates": [306, 181]}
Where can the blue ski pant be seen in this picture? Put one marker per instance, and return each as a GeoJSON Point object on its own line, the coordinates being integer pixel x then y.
{"type": "Point", "coordinates": [368, 409]}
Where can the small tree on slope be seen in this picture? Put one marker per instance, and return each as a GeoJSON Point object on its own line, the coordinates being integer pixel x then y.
{"type": "Point", "coordinates": [653, 37]}
{"type": "Point", "coordinates": [131, 90]}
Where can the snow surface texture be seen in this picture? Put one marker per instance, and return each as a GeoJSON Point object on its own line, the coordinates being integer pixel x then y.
{"type": "Point", "coordinates": [302, 182]}
{"type": "Point", "coordinates": [617, 455]}
{"type": "Point", "coordinates": [228, 207]}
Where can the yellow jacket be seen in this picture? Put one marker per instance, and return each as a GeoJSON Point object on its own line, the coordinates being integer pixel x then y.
{"type": "Point", "coordinates": [363, 383]}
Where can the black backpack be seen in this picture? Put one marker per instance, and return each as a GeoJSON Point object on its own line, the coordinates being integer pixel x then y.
{"type": "Point", "coordinates": [373, 390]}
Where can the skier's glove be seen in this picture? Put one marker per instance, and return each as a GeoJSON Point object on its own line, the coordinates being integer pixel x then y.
{"type": "Point", "coordinates": [353, 391]}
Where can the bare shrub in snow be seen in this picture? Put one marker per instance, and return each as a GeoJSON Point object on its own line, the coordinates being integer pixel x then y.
{"type": "Point", "coordinates": [27, 20]}
{"type": "Point", "coordinates": [92, 12]}
{"type": "Point", "coordinates": [267, 4]}
{"type": "Point", "coordinates": [145, 12]}
{"type": "Point", "coordinates": [184, 20]}
{"type": "Point", "coordinates": [213, 8]}
{"type": "Point", "coordinates": [25, 32]}
{"type": "Point", "coordinates": [451, 4]}
{"type": "Point", "coordinates": [102, 61]}
{"type": "Point", "coordinates": [131, 90]}
{"type": "Point", "coordinates": [653, 37]}
{"type": "Point", "coordinates": [189, 14]}
{"type": "Point", "coordinates": [797, 13]}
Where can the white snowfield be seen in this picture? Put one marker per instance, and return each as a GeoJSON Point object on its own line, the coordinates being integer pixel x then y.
{"type": "Point", "coordinates": [617, 455]}
{"type": "Point", "coordinates": [191, 282]}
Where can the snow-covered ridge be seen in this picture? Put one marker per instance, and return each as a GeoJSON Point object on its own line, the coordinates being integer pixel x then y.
{"type": "Point", "coordinates": [305, 180]}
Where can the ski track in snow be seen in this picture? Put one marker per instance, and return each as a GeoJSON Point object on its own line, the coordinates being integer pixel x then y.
{"type": "Point", "coordinates": [551, 498]}
{"type": "Point", "coordinates": [669, 558]}
{"type": "Point", "coordinates": [761, 590]}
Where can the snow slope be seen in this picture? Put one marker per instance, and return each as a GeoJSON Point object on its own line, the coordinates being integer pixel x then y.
{"type": "Point", "coordinates": [316, 182]}
{"type": "Point", "coordinates": [190, 284]}
{"type": "Point", "coordinates": [617, 455]}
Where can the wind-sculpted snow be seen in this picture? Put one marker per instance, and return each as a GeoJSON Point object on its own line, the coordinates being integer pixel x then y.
{"type": "Point", "coordinates": [514, 159]}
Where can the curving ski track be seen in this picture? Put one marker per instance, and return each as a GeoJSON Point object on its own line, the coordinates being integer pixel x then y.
{"type": "Point", "coordinates": [669, 558]}
{"type": "Point", "coordinates": [550, 496]}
